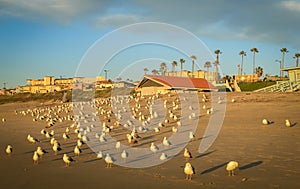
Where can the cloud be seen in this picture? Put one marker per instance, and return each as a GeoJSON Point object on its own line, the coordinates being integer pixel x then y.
{"type": "Point", "coordinates": [291, 5]}
{"type": "Point", "coordinates": [272, 21]}
{"type": "Point", "coordinates": [116, 20]}
{"type": "Point", "coordinates": [57, 10]}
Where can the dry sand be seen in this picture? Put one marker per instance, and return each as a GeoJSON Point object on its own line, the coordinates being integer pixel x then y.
{"type": "Point", "coordinates": [268, 156]}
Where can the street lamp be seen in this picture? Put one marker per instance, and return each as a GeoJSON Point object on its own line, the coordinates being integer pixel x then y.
{"type": "Point", "coordinates": [106, 74]}
{"type": "Point", "coordinates": [279, 68]}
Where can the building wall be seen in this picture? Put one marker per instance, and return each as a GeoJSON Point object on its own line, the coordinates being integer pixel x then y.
{"type": "Point", "coordinates": [294, 75]}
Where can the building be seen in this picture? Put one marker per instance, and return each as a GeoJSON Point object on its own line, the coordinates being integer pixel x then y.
{"type": "Point", "coordinates": [209, 76]}
{"type": "Point", "coordinates": [51, 84]}
{"type": "Point", "coordinates": [153, 84]}
{"type": "Point", "coordinates": [246, 78]}
{"type": "Point", "coordinates": [293, 74]}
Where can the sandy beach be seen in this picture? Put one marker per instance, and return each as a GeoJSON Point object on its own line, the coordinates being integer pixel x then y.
{"type": "Point", "coordinates": [268, 155]}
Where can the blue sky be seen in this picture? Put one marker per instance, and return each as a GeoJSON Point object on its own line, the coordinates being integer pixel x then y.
{"type": "Point", "coordinates": [51, 37]}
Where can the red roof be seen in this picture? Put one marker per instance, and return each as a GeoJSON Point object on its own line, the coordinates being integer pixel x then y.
{"type": "Point", "coordinates": [181, 82]}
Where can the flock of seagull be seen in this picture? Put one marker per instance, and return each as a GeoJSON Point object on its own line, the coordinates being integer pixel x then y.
{"type": "Point", "coordinates": [53, 115]}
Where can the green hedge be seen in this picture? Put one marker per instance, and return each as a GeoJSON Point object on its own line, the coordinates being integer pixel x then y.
{"type": "Point", "coordinates": [255, 85]}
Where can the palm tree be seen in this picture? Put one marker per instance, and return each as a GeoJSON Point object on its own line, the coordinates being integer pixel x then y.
{"type": "Point", "coordinates": [283, 50]}
{"type": "Point", "coordinates": [242, 53]}
{"type": "Point", "coordinates": [174, 64]}
{"type": "Point", "coordinates": [259, 71]}
{"type": "Point", "coordinates": [217, 52]}
{"type": "Point", "coordinates": [207, 65]}
{"type": "Point", "coordinates": [145, 70]}
{"type": "Point", "coordinates": [155, 72]}
{"type": "Point", "coordinates": [193, 57]}
{"type": "Point", "coordinates": [163, 68]}
{"type": "Point", "coordinates": [254, 50]}
{"type": "Point", "coordinates": [181, 63]}
{"type": "Point", "coordinates": [297, 55]}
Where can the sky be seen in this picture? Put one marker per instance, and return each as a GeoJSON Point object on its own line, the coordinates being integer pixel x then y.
{"type": "Point", "coordinates": [53, 37]}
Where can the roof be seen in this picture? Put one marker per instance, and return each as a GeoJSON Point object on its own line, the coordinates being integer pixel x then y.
{"type": "Point", "coordinates": [288, 69]}
{"type": "Point", "coordinates": [178, 82]}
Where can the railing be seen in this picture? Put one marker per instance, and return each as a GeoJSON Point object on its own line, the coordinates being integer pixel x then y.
{"type": "Point", "coordinates": [281, 86]}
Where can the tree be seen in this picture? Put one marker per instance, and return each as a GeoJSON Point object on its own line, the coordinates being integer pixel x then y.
{"type": "Point", "coordinates": [296, 56]}
{"type": "Point", "coordinates": [145, 70]}
{"type": "Point", "coordinates": [193, 57]}
{"type": "Point", "coordinates": [182, 61]}
{"type": "Point", "coordinates": [174, 64]}
{"type": "Point", "coordinates": [254, 50]}
{"type": "Point", "coordinates": [283, 50]}
{"type": "Point", "coordinates": [259, 71]}
{"type": "Point", "coordinates": [207, 65]}
{"type": "Point", "coordinates": [242, 53]}
{"type": "Point", "coordinates": [163, 68]}
{"type": "Point", "coordinates": [118, 78]}
{"type": "Point", "coordinates": [155, 72]}
{"type": "Point", "coordinates": [217, 52]}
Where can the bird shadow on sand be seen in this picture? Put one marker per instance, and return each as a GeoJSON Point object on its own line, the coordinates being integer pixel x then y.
{"type": "Point", "coordinates": [213, 168]}
{"type": "Point", "coordinates": [250, 165]}
{"type": "Point", "coordinates": [204, 154]}
{"type": "Point", "coordinates": [92, 160]}
{"type": "Point", "coordinates": [293, 124]}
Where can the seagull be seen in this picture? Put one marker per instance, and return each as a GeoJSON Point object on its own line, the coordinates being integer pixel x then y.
{"type": "Point", "coordinates": [166, 142]}
{"type": "Point", "coordinates": [79, 143]}
{"type": "Point", "coordinates": [48, 135]}
{"type": "Point", "coordinates": [8, 149]}
{"type": "Point", "coordinates": [191, 135]}
{"type": "Point", "coordinates": [52, 140]}
{"type": "Point", "coordinates": [118, 145]}
{"type": "Point", "coordinates": [124, 155]}
{"type": "Point", "coordinates": [187, 154]}
{"type": "Point", "coordinates": [31, 139]}
{"type": "Point", "coordinates": [156, 129]}
{"type": "Point", "coordinates": [35, 157]}
{"type": "Point", "coordinates": [65, 136]}
{"type": "Point", "coordinates": [56, 148]}
{"type": "Point", "coordinates": [153, 148]}
{"type": "Point", "coordinates": [287, 123]}
{"type": "Point", "coordinates": [77, 150]}
{"type": "Point", "coordinates": [40, 151]}
{"type": "Point", "coordinates": [231, 166]}
{"type": "Point", "coordinates": [67, 159]}
{"type": "Point", "coordinates": [3, 120]}
{"type": "Point", "coordinates": [265, 122]}
{"type": "Point", "coordinates": [99, 155]}
{"type": "Point", "coordinates": [163, 156]}
{"type": "Point", "coordinates": [174, 129]}
{"type": "Point", "coordinates": [189, 171]}
{"type": "Point", "coordinates": [43, 132]}
{"type": "Point", "coordinates": [108, 160]}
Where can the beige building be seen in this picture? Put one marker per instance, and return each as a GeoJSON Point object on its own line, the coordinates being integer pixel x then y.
{"type": "Point", "coordinates": [293, 74]}
{"type": "Point", "coordinates": [50, 84]}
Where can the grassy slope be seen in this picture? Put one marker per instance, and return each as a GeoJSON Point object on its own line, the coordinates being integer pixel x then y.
{"type": "Point", "coordinates": [255, 85]}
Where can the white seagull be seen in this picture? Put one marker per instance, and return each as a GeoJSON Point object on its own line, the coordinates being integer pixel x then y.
{"type": "Point", "coordinates": [108, 160]}
{"type": "Point", "coordinates": [8, 149]}
{"type": "Point", "coordinates": [153, 148]}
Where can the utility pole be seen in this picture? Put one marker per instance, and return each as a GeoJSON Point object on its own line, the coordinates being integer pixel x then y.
{"type": "Point", "coordinates": [4, 85]}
